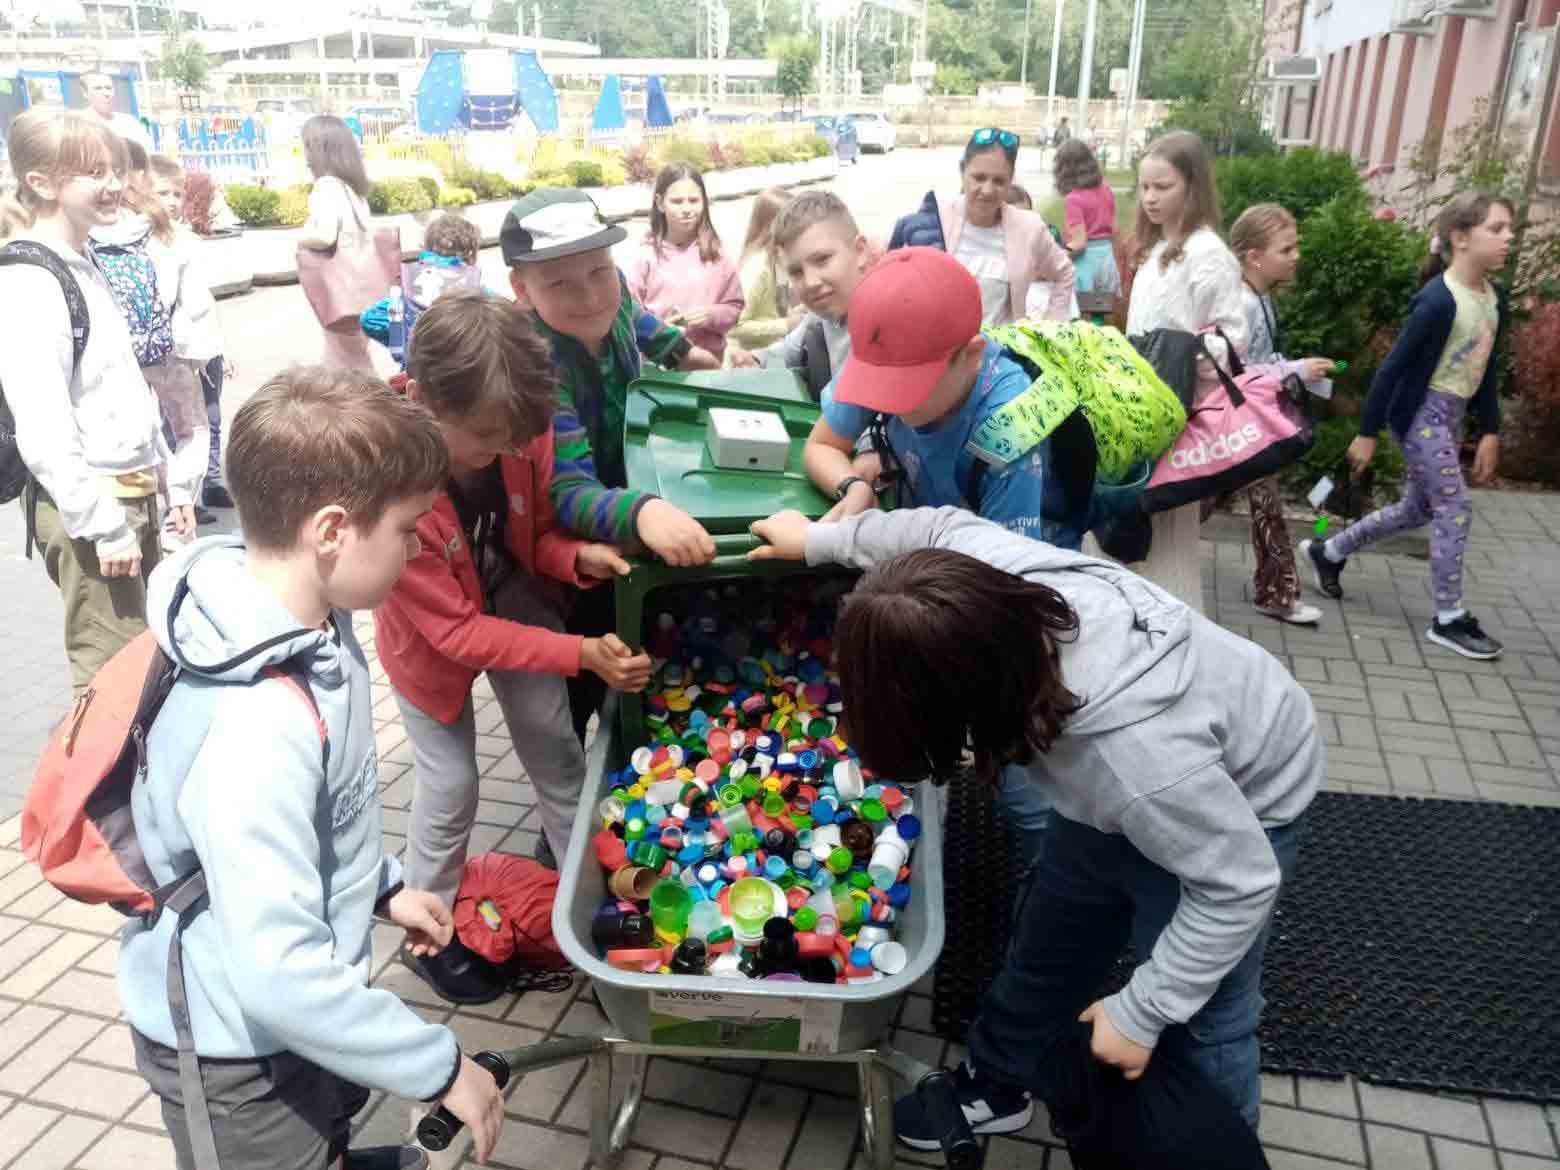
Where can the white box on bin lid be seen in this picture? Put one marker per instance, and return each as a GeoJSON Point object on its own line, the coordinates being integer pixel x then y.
{"type": "Point", "coordinates": [752, 440]}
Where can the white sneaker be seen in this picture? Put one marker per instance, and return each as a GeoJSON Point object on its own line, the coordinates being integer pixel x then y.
{"type": "Point", "coordinates": [1300, 614]}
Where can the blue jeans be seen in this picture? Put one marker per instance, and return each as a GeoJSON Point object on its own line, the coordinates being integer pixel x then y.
{"type": "Point", "coordinates": [1089, 893]}
{"type": "Point", "coordinates": [1027, 808]}
{"type": "Point", "coordinates": [211, 390]}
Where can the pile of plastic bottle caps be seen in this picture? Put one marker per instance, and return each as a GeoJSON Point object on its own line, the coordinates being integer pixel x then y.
{"type": "Point", "coordinates": [744, 840]}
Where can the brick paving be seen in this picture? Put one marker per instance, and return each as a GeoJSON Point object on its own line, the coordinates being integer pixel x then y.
{"type": "Point", "coordinates": [1399, 716]}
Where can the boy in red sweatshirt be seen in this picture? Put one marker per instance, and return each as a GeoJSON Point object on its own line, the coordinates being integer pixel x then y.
{"type": "Point", "coordinates": [485, 595]}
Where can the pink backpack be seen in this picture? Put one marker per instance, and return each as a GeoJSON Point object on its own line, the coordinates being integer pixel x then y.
{"type": "Point", "coordinates": [1246, 428]}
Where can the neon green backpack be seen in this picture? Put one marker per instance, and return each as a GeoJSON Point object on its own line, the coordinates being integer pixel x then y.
{"type": "Point", "coordinates": [1133, 415]}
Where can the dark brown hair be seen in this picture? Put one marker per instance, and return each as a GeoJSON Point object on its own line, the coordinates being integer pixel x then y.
{"type": "Point", "coordinates": [709, 242]}
{"type": "Point", "coordinates": [1464, 213]}
{"type": "Point", "coordinates": [470, 351]}
{"type": "Point", "coordinates": [314, 436]}
{"type": "Point", "coordinates": [1018, 196]}
{"type": "Point", "coordinates": [1075, 167]}
{"type": "Point", "coordinates": [940, 654]}
{"type": "Point", "coordinates": [811, 208]}
{"type": "Point", "coordinates": [1186, 152]}
{"type": "Point", "coordinates": [330, 150]}
{"type": "Point", "coordinates": [450, 235]}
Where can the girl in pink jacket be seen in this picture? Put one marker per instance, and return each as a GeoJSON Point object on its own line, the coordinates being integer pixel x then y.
{"type": "Point", "coordinates": [681, 273]}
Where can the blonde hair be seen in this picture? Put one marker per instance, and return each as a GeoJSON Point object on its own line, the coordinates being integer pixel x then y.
{"type": "Point", "coordinates": [1254, 229]}
{"type": "Point", "coordinates": [60, 146]}
{"type": "Point", "coordinates": [1186, 152]}
{"type": "Point", "coordinates": [767, 204]}
{"type": "Point", "coordinates": [139, 196]}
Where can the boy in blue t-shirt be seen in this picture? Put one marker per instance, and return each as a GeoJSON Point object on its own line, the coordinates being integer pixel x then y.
{"type": "Point", "coordinates": [918, 358]}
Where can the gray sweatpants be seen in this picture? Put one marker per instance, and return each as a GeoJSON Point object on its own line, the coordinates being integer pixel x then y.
{"type": "Point", "coordinates": [444, 796]}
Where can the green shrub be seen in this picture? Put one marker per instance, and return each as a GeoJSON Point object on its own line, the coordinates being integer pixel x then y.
{"type": "Point", "coordinates": [253, 206]}
{"type": "Point", "coordinates": [613, 173]}
{"type": "Point", "coordinates": [452, 197]}
{"type": "Point", "coordinates": [487, 184]}
{"type": "Point", "coordinates": [1300, 181]}
{"type": "Point", "coordinates": [430, 185]}
{"type": "Point", "coordinates": [293, 209]}
{"type": "Point", "coordinates": [678, 149]}
{"type": "Point", "coordinates": [585, 172]}
{"type": "Point", "coordinates": [818, 147]}
{"type": "Point", "coordinates": [547, 178]}
{"type": "Point", "coordinates": [398, 197]}
{"type": "Point", "coordinates": [1357, 274]}
{"type": "Point", "coordinates": [1325, 457]}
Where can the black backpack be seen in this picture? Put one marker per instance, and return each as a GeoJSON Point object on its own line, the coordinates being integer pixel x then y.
{"type": "Point", "coordinates": [14, 475]}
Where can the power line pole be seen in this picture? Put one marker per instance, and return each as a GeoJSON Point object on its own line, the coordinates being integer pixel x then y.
{"type": "Point", "coordinates": [1086, 67]}
{"type": "Point", "coordinates": [1023, 68]}
{"type": "Point", "coordinates": [1056, 53]}
{"type": "Point", "coordinates": [1134, 70]}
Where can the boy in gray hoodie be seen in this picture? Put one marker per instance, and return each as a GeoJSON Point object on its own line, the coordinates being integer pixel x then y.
{"type": "Point", "coordinates": [273, 795]}
{"type": "Point", "coordinates": [1181, 759]}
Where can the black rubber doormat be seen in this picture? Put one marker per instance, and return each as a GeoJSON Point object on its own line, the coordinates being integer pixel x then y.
{"type": "Point", "coordinates": [1417, 945]}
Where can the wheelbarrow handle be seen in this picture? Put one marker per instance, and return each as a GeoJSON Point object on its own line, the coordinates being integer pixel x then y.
{"type": "Point", "coordinates": [437, 1130]}
{"type": "Point", "coordinates": [940, 1106]}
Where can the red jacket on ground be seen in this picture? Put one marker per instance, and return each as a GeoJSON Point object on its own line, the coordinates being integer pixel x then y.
{"type": "Point", "coordinates": [431, 632]}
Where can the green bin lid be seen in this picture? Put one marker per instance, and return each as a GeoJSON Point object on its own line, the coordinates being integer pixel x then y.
{"type": "Point", "coordinates": [664, 449]}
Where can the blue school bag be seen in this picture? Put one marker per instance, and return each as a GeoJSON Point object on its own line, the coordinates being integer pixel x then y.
{"type": "Point", "coordinates": [130, 272]}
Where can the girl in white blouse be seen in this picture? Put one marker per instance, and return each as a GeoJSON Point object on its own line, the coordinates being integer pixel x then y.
{"type": "Point", "coordinates": [1186, 279]}
{"type": "Point", "coordinates": [337, 203]}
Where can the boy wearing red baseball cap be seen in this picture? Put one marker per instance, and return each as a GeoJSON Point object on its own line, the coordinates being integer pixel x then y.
{"type": "Point", "coordinates": [918, 358]}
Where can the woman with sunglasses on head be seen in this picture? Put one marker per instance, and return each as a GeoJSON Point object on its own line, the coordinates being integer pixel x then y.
{"type": "Point", "coordinates": [1005, 248]}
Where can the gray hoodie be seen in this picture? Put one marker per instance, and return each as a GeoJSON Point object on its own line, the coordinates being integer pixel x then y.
{"type": "Point", "coordinates": [290, 843]}
{"type": "Point", "coordinates": [1191, 741]}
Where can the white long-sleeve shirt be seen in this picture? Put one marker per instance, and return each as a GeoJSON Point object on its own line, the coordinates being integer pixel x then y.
{"type": "Point", "coordinates": [76, 430]}
{"type": "Point", "coordinates": [1201, 288]}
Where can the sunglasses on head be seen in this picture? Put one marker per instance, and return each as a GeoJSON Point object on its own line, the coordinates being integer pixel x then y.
{"type": "Point", "coordinates": [990, 135]}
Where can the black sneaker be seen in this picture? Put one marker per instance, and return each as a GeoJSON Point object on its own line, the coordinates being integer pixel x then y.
{"type": "Point", "coordinates": [458, 974]}
{"type": "Point", "coordinates": [1324, 572]}
{"type": "Point", "coordinates": [204, 516]}
{"type": "Point", "coordinates": [385, 1158]}
{"type": "Point", "coordinates": [989, 1107]}
{"type": "Point", "coordinates": [1464, 637]}
{"type": "Point", "coordinates": [215, 495]}
{"type": "Point", "coordinates": [544, 855]}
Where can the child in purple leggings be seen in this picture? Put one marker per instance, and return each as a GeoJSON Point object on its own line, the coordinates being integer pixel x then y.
{"type": "Point", "coordinates": [1440, 370]}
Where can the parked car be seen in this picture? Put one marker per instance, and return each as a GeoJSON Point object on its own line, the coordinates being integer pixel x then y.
{"type": "Point", "coordinates": [294, 107]}
{"type": "Point", "coordinates": [840, 133]}
{"type": "Point", "coordinates": [875, 130]}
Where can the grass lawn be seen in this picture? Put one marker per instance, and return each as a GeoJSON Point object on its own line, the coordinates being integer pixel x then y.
{"type": "Point", "coordinates": [1126, 208]}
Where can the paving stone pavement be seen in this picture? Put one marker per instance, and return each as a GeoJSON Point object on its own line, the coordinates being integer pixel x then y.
{"type": "Point", "coordinates": [1399, 716]}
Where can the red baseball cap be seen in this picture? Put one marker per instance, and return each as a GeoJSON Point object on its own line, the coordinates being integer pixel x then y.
{"type": "Point", "coordinates": [907, 317]}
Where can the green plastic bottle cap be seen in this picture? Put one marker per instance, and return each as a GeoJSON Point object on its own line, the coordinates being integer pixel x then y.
{"type": "Point", "coordinates": [749, 786]}
{"type": "Point", "coordinates": [873, 810]}
{"type": "Point", "coordinates": [860, 880]}
{"type": "Point", "coordinates": [806, 918]}
{"type": "Point", "coordinates": [840, 859]}
{"type": "Point", "coordinates": [719, 935]}
{"type": "Point", "coordinates": [774, 804]}
{"type": "Point", "coordinates": [820, 729]}
{"type": "Point", "coordinates": [802, 821]}
{"type": "Point", "coordinates": [730, 795]}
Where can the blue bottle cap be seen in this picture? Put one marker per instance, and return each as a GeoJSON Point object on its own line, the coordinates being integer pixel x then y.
{"type": "Point", "coordinates": [899, 894]}
{"type": "Point", "coordinates": [860, 957]}
{"type": "Point", "coordinates": [807, 760]}
{"type": "Point", "coordinates": [690, 855]}
{"type": "Point", "coordinates": [773, 868]}
{"type": "Point", "coordinates": [909, 827]}
{"type": "Point", "coordinates": [636, 808]}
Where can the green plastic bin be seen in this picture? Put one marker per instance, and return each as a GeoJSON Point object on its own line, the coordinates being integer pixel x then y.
{"type": "Point", "coordinates": [664, 452]}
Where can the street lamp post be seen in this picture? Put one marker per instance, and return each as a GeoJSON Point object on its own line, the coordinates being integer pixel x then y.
{"type": "Point", "coordinates": [1056, 53]}
{"type": "Point", "coordinates": [1023, 68]}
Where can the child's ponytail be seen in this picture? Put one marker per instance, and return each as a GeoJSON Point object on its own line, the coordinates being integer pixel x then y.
{"type": "Point", "coordinates": [1464, 213]}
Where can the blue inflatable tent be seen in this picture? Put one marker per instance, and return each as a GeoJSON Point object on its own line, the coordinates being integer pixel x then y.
{"type": "Point", "coordinates": [658, 111]}
{"type": "Point", "coordinates": [608, 117]}
{"type": "Point", "coordinates": [453, 95]}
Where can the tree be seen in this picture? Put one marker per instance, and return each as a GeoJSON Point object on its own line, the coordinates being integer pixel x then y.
{"type": "Point", "coordinates": [184, 62]}
{"type": "Point", "coordinates": [795, 59]}
{"type": "Point", "coordinates": [1210, 73]}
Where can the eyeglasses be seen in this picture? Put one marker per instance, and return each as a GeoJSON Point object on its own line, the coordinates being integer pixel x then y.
{"type": "Point", "coordinates": [990, 135]}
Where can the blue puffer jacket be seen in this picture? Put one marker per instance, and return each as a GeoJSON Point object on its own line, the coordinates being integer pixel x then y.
{"type": "Point", "coordinates": [922, 228]}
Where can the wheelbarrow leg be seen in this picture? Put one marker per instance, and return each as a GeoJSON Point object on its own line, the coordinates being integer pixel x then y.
{"type": "Point", "coordinates": [877, 1112]}
{"type": "Point", "coordinates": [609, 1132]}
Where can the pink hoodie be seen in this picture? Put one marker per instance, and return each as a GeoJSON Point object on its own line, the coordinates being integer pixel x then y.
{"type": "Point", "coordinates": [679, 279]}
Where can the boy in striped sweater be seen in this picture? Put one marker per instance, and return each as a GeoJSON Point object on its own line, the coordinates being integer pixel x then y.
{"type": "Point", "coordinates": [558, 249]}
